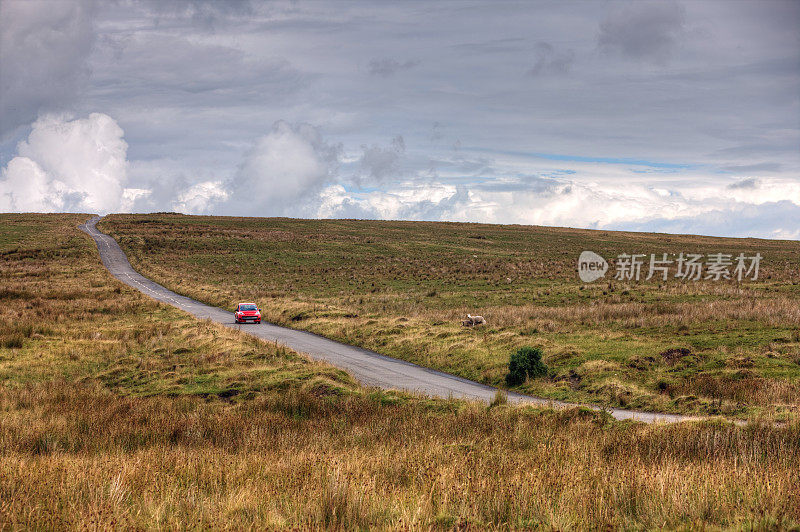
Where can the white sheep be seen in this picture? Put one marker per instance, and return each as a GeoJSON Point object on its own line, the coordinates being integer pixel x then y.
{"type": "Point", "coordinates": [475, 320]}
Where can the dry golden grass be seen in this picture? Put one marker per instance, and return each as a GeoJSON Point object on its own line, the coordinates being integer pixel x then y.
{"type": "Point", "coordinates": [777, 311]}
{"type": "Point", "coordinates": [63, 316]}
{"type": "Point", "coordinates": [120, 413]}
{"type": "Point", "coordinates": [76, 457]}
{"type": "Point", "coordinates": [402, 288]}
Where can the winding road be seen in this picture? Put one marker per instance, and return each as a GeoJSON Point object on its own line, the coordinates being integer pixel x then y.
{"type": "Point", "coordinates": [368, 367]}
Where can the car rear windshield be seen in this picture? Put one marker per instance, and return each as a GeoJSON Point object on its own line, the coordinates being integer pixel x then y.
{"type": "Point", "coordinates": [247, 307]}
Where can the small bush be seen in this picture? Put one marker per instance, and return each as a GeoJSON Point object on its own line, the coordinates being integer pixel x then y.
{"type": "Point", "coordinates": [517, 371]}
{"type": "Point", "coordinates": [13, 342]}
{"type": "Point", "coordinates": [525, 363]}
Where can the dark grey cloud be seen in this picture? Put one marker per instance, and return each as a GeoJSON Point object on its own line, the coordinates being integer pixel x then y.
{"type": "Point", "coordinates": [387, 67]}
{"type": "Point", "coordinates": [550, 61]}
{"type": "Point", "coordinates": [749, 183]}
{"type": "Point", "coordinates": [436, 132]}
{"type": "Point", "coordinates": [645, 30]}
{"type": "Point", "coordinates": [193, 74]}
{"type": "Point", "coordinates": [380, 163]}
{"type": "Point", "coordinates": [44, 47]}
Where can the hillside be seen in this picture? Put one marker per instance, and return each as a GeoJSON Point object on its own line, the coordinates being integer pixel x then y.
{"type": "Point", "coordinates": [402, 288]}
{"type": "Point", "coordinates": [118, 412]}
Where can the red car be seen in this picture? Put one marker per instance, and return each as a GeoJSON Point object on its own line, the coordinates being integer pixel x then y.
{"type": "Point", "coordinates": [247, 312]}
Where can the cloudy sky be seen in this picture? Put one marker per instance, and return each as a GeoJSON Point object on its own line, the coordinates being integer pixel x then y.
{"type": "Point", "coordinates": [660, 116]}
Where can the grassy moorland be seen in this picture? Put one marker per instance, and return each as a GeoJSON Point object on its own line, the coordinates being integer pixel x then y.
{"type": "Point", "coordinates": [64, 317]}
{"type": "Point", "coordinates": [402, 288]}
{"type": "Point", "coordinates": [80, 457]}
{"type": "Point", "coordinates": [118, 412]}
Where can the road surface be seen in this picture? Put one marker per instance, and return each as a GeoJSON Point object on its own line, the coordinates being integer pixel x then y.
{"type": "Point", "coordinates": [368, 367]}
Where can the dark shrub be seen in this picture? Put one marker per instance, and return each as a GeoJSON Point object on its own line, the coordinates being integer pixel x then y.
{"type": "Point", "coordinates": [526, 362]}
{"type": "Point", "coordinates": [13, 342]}
{"type": "Point", "coordinates": [517, 370]}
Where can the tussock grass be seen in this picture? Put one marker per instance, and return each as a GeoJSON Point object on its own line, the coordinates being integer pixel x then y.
{"type": "Point", "coordinates": [74, 456]}
{"type": "Point", "coordinates": [402, 288]}
{"type": "Point", "coordinates": [120, 413]}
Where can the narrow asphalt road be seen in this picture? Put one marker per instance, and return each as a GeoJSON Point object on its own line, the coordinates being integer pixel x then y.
{"type": "Point", "coordinates": [368, 367]}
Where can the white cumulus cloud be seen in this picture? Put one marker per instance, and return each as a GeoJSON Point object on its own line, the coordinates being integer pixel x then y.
{"type": "Point", "coordinates": [67, 165]}
{"type": "Point", "coordinates": [201, 198]}
{"type": "Point", "coordinates": [283, 171]}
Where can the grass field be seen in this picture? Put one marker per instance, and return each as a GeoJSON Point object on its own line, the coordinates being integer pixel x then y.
{"type": "Point", "coordinates": [118, 412]}
{"type": "Point", "coordinates": [64, 317]}
{"type": "Point", "coordinates": [402, 288]}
